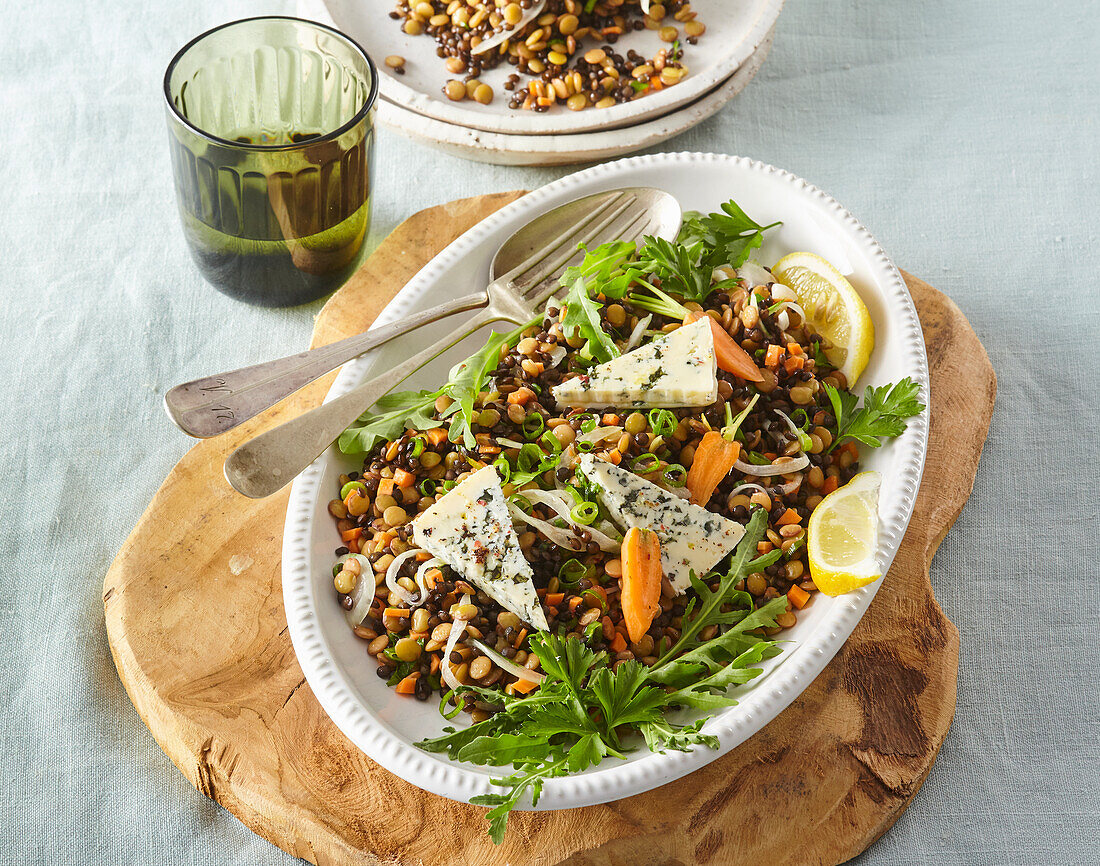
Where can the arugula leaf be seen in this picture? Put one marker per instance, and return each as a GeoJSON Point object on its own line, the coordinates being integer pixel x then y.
{"type": "Point", "coordinates": [662, 734]}
{"type": "Point", "coordinates": [395, 412]}
{"type": "Point", "coordinates": [504, 749]}
{"type": "Point", "coordinates": [582, 318]}
{"type": "Point", "coordinates": [604, 268]}
{"type": "Point", "coordinates": [882, 416]}
{"type": "Point", "coordinates": [519, 783]}
{"type": "Point", "coordinates": [388, 420]}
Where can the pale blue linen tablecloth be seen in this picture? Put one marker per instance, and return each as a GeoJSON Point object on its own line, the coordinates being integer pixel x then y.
{"type": "Point", "coordinates": [964, 135]}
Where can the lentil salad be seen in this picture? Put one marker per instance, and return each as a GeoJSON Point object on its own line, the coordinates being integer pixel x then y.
{"type": "Point", "coordinates": [432, 631]}
{"type": "Point", "coordinates": [567, 53]}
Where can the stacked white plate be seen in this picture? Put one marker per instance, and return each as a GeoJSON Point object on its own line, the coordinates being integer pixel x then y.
{"type": "Point", "coordinates": [734, 47]}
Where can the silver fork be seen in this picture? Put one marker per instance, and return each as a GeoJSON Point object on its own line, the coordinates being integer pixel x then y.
{"type": "Point", "coordinates": [266, 463]}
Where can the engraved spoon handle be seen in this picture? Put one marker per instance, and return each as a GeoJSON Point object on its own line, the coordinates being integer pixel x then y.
{"type": "Point", "coordinates": [263, 465]}
{"type": "Point", "coordinates": [215, 404]}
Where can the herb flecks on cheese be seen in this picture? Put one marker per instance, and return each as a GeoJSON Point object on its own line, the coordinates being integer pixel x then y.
{"type": "Point", "coordinates": [470, 529]}
{"type": "Point", "coordinates": [692, 538]}
{"type": "Point", "coordinates": [674, 371]}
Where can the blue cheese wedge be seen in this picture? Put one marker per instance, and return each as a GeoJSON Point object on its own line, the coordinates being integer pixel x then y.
{"type": "Point", "coordinates": [692, 538]}
{"type": "Point", "coordinates": [673, 371]}
{"type": "Point", "coordinates": [470, 529]}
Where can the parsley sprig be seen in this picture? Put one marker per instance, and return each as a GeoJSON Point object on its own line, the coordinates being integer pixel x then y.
{"type": "Point", "coordinates": [584, 711]}
{"type": "Point", "coordinates": [882, 415]}
{"type": "Point", "coordinates": [705, 242]}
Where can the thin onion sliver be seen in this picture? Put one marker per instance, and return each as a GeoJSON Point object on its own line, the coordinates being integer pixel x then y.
{"type": "Point", "coordinates": [456, 633]}
{"type": "Point", "coordinates": [391, 578]}
{"type": "Point", "coordinates": [788, 468]}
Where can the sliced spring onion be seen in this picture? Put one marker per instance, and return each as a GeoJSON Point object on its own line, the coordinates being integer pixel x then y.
{"type": "Point", "coordinates": [393, 586]}
{"type": "Point", "coordinates": [350, 486]}
{"type": "Point", "coordinates": [643, 464]}
{"type": "Point", "coordinates": [507, 664]}
{"type": "Point", "coordinates": [550, 441]}
{"type": "Point", "coordinates": [503, 468]}
{"type": "Point", "coordinates": [794, 465]}
{"type": "Point", "coordinates": [636, 335]}
{"type": "Point", "coordinates": [418, 447]}
{"type": "Point", "coordinates": [571, 571]}
{"type": "Point", "coordinates": [676, 474]}
{"type": "Point", "coordinates": [363, 595]}
{"type": "Point", "coordinates": [533, 425]}
{"type": "Point", "coordinates": [584, 513]}
{"type": "Point", "coordinates": [803, 439]}
{"type": "Point", "coordinates": [662, 422]}
{"type": "Point", "coordinates": [586, 446]}
{"type": "Point", "coordinates": [589, 422]}
{"type": "Point", "coordinates": [427, 487]}
{"type": "Point", "coordinates": [460, 702]}
{"type": "Point", "coordinates": [508, 443]}
{"type": "Point", "coordinates": [458, 629]}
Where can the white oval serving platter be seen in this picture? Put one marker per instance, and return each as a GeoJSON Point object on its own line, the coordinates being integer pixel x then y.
{"type": "Point", "coordinates": [341, 673]}
{"type": "Point", "coordinates": [502, 149]}
{"type": "Point", "coordinates": [734, 31]}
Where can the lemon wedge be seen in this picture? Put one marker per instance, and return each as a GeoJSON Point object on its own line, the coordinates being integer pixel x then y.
{"type": "Point", "coordinates": [833, 307]}
{"type": "Point", "coordinates": [842, 536]}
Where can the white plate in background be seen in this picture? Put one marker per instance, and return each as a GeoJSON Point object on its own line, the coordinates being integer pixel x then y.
{"type": "Point", "coordinates": [502, 149]}
{"type": "Point", "coordinates": [735, 29]}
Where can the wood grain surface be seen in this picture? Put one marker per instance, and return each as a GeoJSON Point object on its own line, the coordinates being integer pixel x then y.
{"type": "Point", "coordinates": [195, 620]}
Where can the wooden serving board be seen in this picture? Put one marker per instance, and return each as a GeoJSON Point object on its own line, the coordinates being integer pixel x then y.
{"type": "Point", "coordinates": [195, 620]}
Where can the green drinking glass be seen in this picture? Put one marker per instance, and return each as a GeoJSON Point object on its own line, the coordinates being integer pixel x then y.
{"type": "Point", "coordinates": [271, 125]}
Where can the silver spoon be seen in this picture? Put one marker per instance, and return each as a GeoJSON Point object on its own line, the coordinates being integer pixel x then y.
{"type": "Point", "coordinates": [264, 464]}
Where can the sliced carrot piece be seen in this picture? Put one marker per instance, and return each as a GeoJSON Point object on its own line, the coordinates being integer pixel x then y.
{"type": "Point", "coordinates": [794, 364]}
{"type": "Point", "coordinates": [407, 686]}
{"type": "Point", "coordinates": [555, 598]}
{"type": "Point", "coordinates": [788, 517]}
{"type": "Point", "coordinates": [519, 639]}
{"type": "Point", "coordinates": [397, 612]}
{"type": "Point", "coordinates": [618, 644]}
{"type": "Point", "coordinates": [713, 460]}
{"type": "Point", "coordinates": [351, 534]}
{"type": "Point", "coordinates": [730, 356]}
{"type": "Point", "coordinates": [403, 479]}
{"type": "Point", "coordinates": [436, 436]}
{"type": "Point", "coordinates": [614, 456]}
{"type": "Point", "coordinates": [521, 396]}
{"type": "Point", "coordinates": [385, 487]}
{"type": "Point", "coordinates": [524, 686]}
{"type": "Point", "coordinates": [794, 349]}
{"type": "Point", "coordinates": [797, 596]}
{"type": "Point", "coordinates": [641, 596]}
{"type": "Point", "coordinates": [831, 484]}
{"type": "Point", "coordinates": [434, 669]}
{"type": "Point", "coordinates": [354, 546]}
{"type": "Point", "coordinates": [610, 419]}
{"type": "Point", "coordinates": [771, 357]}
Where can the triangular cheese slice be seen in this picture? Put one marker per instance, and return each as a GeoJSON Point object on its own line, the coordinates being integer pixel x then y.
{"type": "Point", "coordinates": [692, 538]}
{"type": "Point", "coordinates": [676, 370]}
{"type": "Point", "coordinates": [470, 529]}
